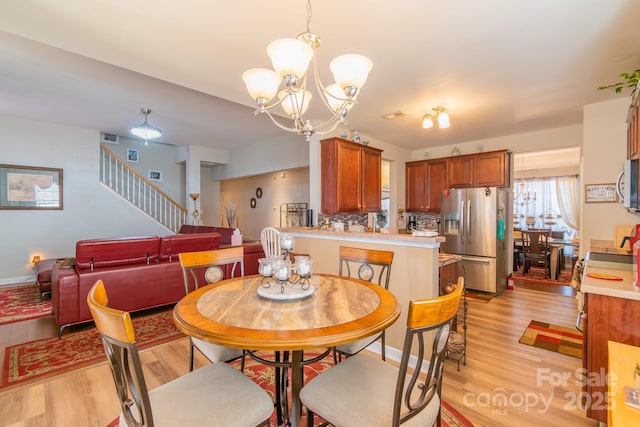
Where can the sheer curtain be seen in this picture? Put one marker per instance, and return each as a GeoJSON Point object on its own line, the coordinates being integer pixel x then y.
{"type": "Point", "coordinates": [568, 200]}
{"type": "Point", "coordinates": [552, 203]}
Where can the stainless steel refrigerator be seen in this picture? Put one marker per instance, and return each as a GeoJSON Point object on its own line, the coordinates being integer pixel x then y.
{"type": "Point", "coordinates": [474, 222]}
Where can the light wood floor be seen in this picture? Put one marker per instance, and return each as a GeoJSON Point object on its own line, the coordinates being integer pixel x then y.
{"type": "Point", "coordinates": [503, 384]}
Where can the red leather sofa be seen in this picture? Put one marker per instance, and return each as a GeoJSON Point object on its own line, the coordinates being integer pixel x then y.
{"type": "Point", "coordinates": [252, 248]}
{"type": "Point", "coordinates": [139, 273]}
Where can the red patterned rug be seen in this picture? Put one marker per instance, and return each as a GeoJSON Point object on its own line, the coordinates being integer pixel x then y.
{"type": "Point", "coordinates": [554, 338]}
{"type": "Point", "coordinates": [264, 376]}
{"type": "Point", "coordinates": [538, 274]}
{"type": "Point", "coordinates": [22, 303]}
{"type": "Point", "coordinates": [77, 349]}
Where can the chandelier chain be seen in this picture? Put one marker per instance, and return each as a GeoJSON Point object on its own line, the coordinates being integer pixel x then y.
{"type": "Point", "coordinates": [309, 13]}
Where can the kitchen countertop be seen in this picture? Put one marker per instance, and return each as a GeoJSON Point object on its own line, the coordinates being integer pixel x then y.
{"type": "Point", "coordinates": [625, 288]}
{"type": "Point", "coordinates": [391, 238]}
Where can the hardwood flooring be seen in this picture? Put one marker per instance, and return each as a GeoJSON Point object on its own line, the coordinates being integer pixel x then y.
{"type": "Point", "coordinates": [504, 383]}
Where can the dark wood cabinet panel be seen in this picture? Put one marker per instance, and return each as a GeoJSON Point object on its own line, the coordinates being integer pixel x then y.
{"type": "Point", "coordinates": [350, 177]}
{"type": "Point", "coordinates": [608, 319]}
{"type": "Point", "coordinates": [437, 183]}
{"type": "Point", "coordinates": [460, 171]}
{"type": "Point", "coordinates": [416, 186]}
{"type": "Point", "coordinates": [425, 181]}
{"type": "Point", "coordinates": [489, 169]}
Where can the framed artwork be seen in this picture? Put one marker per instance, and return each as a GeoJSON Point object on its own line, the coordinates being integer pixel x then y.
{"type": "Point", "coordinates": [600, 193]}
{"type": "Point", "coordinates": [154, 175]}
{"type": "Point", "coordinates": [29, 187]}
{"type": "Point", "coordinates": [109, 138]}
{"type": "Point", "coordinates": [133, 155]}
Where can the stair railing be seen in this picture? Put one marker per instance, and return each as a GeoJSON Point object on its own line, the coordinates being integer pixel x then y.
{"type": "Point", "coordinates": [136, 189]}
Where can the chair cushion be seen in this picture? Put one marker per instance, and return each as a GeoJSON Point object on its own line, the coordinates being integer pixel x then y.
{"type": "Point", "coordinates": [214, 352]}
{"type": "Point", "coordinates": [215, 395]}
{"type": "Point", "coordinates": [360, 392]}
{"type": "Point", "coordinates": [356, 346]}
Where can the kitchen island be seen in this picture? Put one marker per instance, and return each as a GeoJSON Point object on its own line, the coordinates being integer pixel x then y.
{"type": "Point", "coordinates": [414, 272]}
{"type": "Point", "coordinates": [612, 308]}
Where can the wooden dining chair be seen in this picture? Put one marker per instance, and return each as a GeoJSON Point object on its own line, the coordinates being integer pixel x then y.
{"type": "Point", "coordinates": [216, 394]}
{"type": "Point", "coordinates": [270, 240]}
{"type": "Point", "coordinates": [535, 247]}
{"type": "Point", "coordinates": [366, 391]}
{"type": "Point", "coordinates": [370, 265]}
{"type": "Point", "coordinates": [210, 267]}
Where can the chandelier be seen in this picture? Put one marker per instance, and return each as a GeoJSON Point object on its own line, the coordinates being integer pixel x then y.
{"type": "Point", "coordinates": [145, 130]}
{"type": "Point", "coordinates": [523, 195]}
{"type": "Point", "coordinates": [290, 58]}
{"type": "Point", "coordinates": [441, 116]}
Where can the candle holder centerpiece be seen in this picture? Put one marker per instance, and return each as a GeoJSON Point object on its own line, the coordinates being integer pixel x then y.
{"type": "Point", "coordinates": [280, 271]}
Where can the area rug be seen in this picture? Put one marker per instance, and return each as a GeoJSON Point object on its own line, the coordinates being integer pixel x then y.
{"type": "Point", "coordinates": [264, 376]}
{"type": "Point", "coordinates": [77, 349]}
{"type": "Point", "coordinates": [22, 302]}
{"type": "Point", "coordinates": [553, 337]}
{"type": "Point", "coordinates": [479, 296]}
{"type": "Point", "coordinates": [538, 274]}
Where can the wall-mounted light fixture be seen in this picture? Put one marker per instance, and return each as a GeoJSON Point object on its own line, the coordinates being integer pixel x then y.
{"type": "Point", "coordinates": [36, 258]}
{"type": "Point", "coordinates": [441, 116]}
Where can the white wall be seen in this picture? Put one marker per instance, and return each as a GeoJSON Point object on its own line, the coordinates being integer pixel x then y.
{"type": "Point", "coordinates": [90, 209]}
{"type": "Point", "coordinates": [290, 186]}
{"type": "Point", "coordinates": [603, 154]}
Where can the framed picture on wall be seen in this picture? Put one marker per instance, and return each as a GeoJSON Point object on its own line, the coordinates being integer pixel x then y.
{"type": "Point", "coordinates": [30, 187]}
{"type": "Point", "coordinates": [133, 155]}
{"type": "Point", "coordinates": [599, 193]}
{"type": "Point", "coordinates": [154, 175]}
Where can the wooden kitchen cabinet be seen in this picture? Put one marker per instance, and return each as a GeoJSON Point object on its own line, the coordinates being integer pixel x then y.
{"type": "Point", "coordinates": [351, 180]}
{"type": "Point", "coordinates": [607, 319]}
{"type": "Point", "coordinates": [489, 169]}
{"type": "Point", "coordinates": [425, 181]}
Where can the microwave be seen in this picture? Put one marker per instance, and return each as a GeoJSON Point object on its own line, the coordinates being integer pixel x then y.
{"type": "Point", "coordinates": [630, 185]}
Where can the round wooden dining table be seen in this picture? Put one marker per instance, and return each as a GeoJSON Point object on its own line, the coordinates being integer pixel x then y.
{"type": "Point", "coordinates": [340, 310]}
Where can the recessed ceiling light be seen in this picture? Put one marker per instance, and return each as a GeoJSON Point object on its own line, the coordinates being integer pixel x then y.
{"type": "Point", "coordinates": [393, 115]}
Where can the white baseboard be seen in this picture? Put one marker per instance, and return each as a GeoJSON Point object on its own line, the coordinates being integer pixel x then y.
{"type": "Point", "coordinates": [17, 280]}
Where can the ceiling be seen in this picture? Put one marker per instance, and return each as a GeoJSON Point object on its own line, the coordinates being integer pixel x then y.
{"type": "Point", "coordinates": [499, 67]}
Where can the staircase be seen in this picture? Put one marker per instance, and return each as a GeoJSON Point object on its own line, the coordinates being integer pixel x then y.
{"type": "Point", "coordinates": [137, 190]}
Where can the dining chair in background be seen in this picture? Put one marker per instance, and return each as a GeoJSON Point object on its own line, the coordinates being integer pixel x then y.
{"type": "Point", "coordinates": [366, 391]}
{"type": "Point", "coordinates": [210, 267]}
{"type": "Point", "coordinates": [217, 392]}
{"type": "Point", "coordinates": [270, 240]}
{"type": "Point", "coordinates": [364, 264]}
{"type": "Point", "coordinates": [535, 247]}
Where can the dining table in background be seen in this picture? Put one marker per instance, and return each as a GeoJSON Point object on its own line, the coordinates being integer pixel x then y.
{"type": "Point", "coordinates": [340, 310]}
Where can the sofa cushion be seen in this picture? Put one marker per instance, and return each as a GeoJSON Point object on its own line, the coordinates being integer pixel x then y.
{"type": "Point", "coordinates": [98, 253]}
{"type": "Point", "coordinates": [171, 246]}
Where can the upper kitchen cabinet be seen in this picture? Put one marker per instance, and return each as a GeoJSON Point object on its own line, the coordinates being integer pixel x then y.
{"type": "Point", "coordinates": [489, 169]}
{"type": "Point", "coordinates": [425, 181]}
{"type": "Point", "coordinates": [351, 179]}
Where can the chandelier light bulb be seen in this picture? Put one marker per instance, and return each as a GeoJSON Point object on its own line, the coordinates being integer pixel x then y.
{"type": "Point", "coordinates": [295, 102]}
{"type": "Point", "coordinates": [351, 70]}
{"type": "Point", "coordinates": [261, 83]}
{"type": "Point", "coordinates": [443, 120]}
{"type": "Point", "coordinates": [290, 57]}
{"type": "Point", "coordinates": [427, 121]}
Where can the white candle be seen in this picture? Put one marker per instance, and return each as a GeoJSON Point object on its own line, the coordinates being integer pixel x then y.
{"type": "Point", "coordinates": [282, 273]}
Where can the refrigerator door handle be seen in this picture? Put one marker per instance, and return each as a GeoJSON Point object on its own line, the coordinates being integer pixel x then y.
{"type": "Point", "coordinates": [462, 223]}
{"type": "Point", "coordinates": [468, 221]}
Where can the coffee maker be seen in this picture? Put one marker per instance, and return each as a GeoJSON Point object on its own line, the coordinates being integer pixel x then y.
{"type": "Point", "coordinates": [412, 223]}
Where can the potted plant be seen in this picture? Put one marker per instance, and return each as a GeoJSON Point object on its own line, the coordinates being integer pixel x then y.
{"type": "Point", "coordinates": [630, 80]}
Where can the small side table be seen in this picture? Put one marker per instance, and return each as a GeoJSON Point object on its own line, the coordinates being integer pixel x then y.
{"type": "Point", "coordinates": [43, 275]}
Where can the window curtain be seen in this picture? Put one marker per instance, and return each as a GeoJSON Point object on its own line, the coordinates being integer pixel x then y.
{"type": "Point", "coordinates": [568, 200]}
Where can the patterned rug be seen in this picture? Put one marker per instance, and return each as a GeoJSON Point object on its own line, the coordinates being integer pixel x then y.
{"type": "Point", "coordinates": [22, 303]}
{"type": "Point", "coordinates": [264, 376]}
{"type": "Point", "coordinates": [538, 274]}
{"type": "Point", "coordinates": [77, 349]}
{"type": "Point", "coordinates": [479, 296]}
{"type": "Point", "coordinates": [552, 337]}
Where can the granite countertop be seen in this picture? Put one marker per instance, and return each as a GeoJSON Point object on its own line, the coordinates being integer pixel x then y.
{"type": "Point", "coordinates": [626, 288]}
{"type": "Point", "coordinates": [381, 237]}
